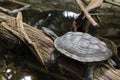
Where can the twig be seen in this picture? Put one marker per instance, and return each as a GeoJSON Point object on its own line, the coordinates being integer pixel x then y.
{"type": "Point", "coordinates": [88, 16]}
{"type": "Point", "coordinates": [4, 9]}
{"type": "Point", "coordinates": [15, 33]}
{"type": "Point", "coordinates": [18, 10]}
{"type": "Point", "coordinates": [3, 18]}
{"type": "Point", "coordinates": [32, 46]}
{"type": "Point", "coordinates": [17, 2]}
{"type": "Point", "coordinates": [21, 28]}
{"type": "Point", "coordinates": [111, 2]}
{"type": "Point", "coordinates": [93, 4]}
{"type": "Point", "coordinates": [25, 6]}
{"type": "Point", "coordinates": [104, 14]}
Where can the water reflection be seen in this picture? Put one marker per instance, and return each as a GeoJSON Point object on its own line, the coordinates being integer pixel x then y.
{"type": "Point", "coordinates": [42, 21]}
{"type": "Point", "coordinates": [27, 78]}
{"type": "Point", "coordinates": [9, 73]}
{"type": "Point", "coordinates": [70, 14]}
{"type": "Point", "coordinates": [14, 66]}
{"type": "Point", "coordinates": [59, 21]}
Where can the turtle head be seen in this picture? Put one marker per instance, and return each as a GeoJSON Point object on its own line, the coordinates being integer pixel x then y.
{"type": "Point", "coordinates": [49, 32]}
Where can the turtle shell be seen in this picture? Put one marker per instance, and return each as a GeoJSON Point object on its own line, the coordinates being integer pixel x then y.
{"type": "Point", "coordinates": [82, 47]}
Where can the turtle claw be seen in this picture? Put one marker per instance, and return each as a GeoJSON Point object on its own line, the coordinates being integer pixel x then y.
{"type": "Point", "coordinates": [112, 63]}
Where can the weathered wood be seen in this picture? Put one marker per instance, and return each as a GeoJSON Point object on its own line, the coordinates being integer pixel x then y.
{"type": "Point", "coordinates": [111, 2]}
{"type": "Point", "coordinates": [101, 72]}
{"type": "Point", "coordinates": [25, 6]}
{"type": "Point", "coordinates": [32, 40]}
{"type": "Point", "coordinates": [88, 16]}
{"type": "Point", "coordinates": [93, 4]}
{"type": "Point", "coordinates": [22, 31]}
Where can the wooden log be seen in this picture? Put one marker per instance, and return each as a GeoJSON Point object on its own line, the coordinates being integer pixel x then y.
{"type": "Point", "coordinates": [102, 71]}
{"type": "Point", "coordinates": [33, 37]}
{"type": "Point", "coordinates": [23, 32]}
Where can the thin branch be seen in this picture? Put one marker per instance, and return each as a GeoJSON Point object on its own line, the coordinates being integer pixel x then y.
{"type": "Point", "coordinates": [111, 2]}
{"type": "Point", "coordinates": [88, 16]}
{"type": "Point", "coordinates": [15, 33]}
{"type": "Point", "coordinates": [21, 28]}
{"type": "Point", "coordinates": [93, 4]}
{"type": "Point", "coordinates": [22, 31]}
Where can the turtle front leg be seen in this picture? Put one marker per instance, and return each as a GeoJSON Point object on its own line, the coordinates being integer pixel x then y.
{"type": "Point", "coordinates": [53, 63]}
{"type": "Point", "coordinates": [90, 71]}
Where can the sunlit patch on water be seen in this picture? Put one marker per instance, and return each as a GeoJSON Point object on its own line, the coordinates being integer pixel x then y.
{"type": "Point", "coordinates": [70, 14]}
{"type": "Point", "coordinates": [27, 78]}
{"type": "Point", "coordinates": [58, 21]}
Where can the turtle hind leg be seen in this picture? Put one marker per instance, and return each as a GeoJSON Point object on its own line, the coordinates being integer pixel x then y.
{"type": "Point", "coordinates": [90, 71]}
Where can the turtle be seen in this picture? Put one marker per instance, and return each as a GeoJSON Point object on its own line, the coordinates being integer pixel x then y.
{"type": "Point", "coordinates": [82, 47]}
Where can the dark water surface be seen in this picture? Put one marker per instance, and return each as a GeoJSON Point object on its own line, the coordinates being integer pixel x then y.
{"type": "Point", "coordinates": [59, 21]}
{"type": "Point", "coordinates": [4, 4]}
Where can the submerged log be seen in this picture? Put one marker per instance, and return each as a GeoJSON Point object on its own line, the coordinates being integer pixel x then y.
{"type": "Point", "coordinates": [66, 68]}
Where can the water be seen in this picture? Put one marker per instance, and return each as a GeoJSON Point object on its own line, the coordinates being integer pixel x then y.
{"type": "Point", "coordinates": [4, 4]}
{"type": "Point", "coordinates": [109, 28]}
{"type": "Point", "coordinates": [59, 21]}
{"type": "Point", "coordinates": [22, 66]}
